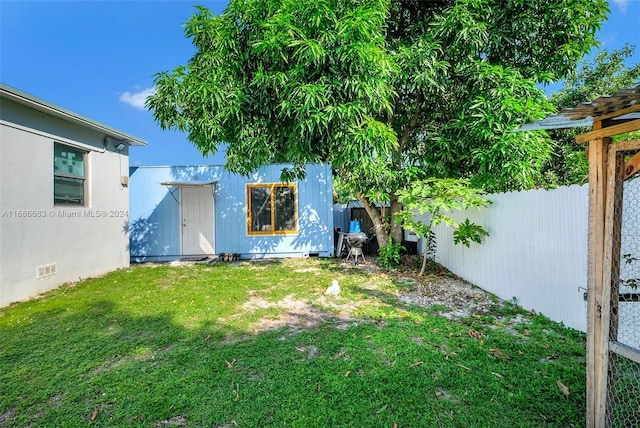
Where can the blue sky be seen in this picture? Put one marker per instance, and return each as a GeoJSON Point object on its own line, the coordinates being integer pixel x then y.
{"type": "Point", "coordinates": [98, 58]}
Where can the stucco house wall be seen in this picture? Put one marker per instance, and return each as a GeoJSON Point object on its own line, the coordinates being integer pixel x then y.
{"type": "Point", "coordinates": [44, 244]}
{"type": "Point", "coordinates": [157, 222]}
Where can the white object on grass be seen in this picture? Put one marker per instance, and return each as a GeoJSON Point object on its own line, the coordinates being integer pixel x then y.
{"type": "Point", "coordinates": [334, 288]}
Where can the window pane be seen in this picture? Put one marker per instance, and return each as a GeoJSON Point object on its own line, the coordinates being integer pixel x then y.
{"type": "Point", "coordinates": [260, 209]}
{"type": "Point", "coordinates": [68, 190]}
{"type": "Point", "coordinates": [285, 208]}
{"type": "Point", "coordinates": [68, 160]}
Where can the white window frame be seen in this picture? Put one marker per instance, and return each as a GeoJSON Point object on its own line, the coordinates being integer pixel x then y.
{"type": "Point", "coordinates": [70, 176]}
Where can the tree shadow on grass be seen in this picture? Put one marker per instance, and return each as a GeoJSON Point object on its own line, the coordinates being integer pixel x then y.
{"type": "Point", "coordinates": [100, 364]}
{"type": "Point", "coordinates": [97, 363]}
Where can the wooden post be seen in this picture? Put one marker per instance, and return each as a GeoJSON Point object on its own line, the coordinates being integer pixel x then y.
{"type": "Point", "coordinates": [597, 337]}
{"type": "Point", "coordinates": [611, 272]}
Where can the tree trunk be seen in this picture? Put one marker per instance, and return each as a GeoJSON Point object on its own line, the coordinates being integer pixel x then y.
{"type": "Point", "coordinates": [396, 228]}
{"type": "Point", "coordinates": [425, 255]}
{"type": "Point", "coordinates": [383, 229]}
{"type": "Point", "coordinates": [382, 236]}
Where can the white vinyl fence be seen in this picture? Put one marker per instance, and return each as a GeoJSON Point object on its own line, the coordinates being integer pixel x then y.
{"type": "Point", "coordinates": [536, 251]}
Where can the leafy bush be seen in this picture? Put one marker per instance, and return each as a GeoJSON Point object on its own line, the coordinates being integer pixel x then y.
{"type": "Point", "coordinates": [437, 197]}
{"type": "Point", "coordinates": [467, 232]}
{"type": "Point", "coordinates": [389, 255]}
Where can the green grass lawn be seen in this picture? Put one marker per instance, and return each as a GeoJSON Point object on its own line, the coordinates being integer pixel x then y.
{"type": "Point", "coordinates": [258, 344]}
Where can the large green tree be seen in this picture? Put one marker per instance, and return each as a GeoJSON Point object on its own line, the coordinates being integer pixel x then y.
{"type": "Point", "coordinates": [606, 73]}
{"type": "Point", "coordinates": [389, 92]}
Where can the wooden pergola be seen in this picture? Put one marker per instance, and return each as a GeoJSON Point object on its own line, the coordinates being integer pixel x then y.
{"type": "Point", "coordinates": [609, 166]}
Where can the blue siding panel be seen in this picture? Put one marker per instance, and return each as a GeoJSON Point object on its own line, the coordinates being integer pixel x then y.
{"type": "Point", "coordinates": [155, 213]}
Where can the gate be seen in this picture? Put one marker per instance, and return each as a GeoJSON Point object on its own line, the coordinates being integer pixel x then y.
{"type": "Point", "coordinates": [613, 302]}
{"type": "Point", "coordinates": [613, 343]}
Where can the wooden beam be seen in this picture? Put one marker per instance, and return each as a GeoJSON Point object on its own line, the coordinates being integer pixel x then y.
{"type": "Point", "coordinates": [622, 128]}
{"type": "Point", "coordinates": [625, 350]}
{"type": "Point", "coordinates": [632, 166]}
{"type": "Point", "coordinates": [617, 113]}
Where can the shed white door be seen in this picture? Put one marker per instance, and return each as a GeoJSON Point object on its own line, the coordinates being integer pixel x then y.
{"type": "Point", "coordinates": [197, 220]}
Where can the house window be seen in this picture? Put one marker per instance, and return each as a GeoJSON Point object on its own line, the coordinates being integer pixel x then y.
{"type": "Point", "coordinates": [272, 209]}
{"type": "Point", "coordinates": [68, 175]}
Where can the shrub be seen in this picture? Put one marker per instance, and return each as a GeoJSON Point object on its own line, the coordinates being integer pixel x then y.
{"type": "Point", "coordinates": [389, 255]}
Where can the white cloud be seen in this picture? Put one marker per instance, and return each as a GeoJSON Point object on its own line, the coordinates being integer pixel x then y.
{"type": "Point", "coordinates": [136, 99]}
{"type": "Point", "coordinates": [622, 5]}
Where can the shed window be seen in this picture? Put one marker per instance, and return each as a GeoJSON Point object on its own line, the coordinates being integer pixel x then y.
{"type": "Point", "coordinates": [69, 175]}
{"type": "Point", "coordinates": [272, 209]}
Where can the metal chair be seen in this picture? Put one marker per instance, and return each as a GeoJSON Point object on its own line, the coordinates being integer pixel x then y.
{"type": "Point", "coordinates": [355, 242]}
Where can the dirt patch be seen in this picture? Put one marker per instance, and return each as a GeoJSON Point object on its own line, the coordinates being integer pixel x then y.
{"type": "Point", "coordinates": [310, 350]}
{"type": "Point", "coordinates": [309, 270]}
{"type": "Point", "coordinates": [299, 314]}
{"type": "Point", "coordinates": [7, 416]}
{"type": "Point", "coordinates": [176, 421]}
{"type": "Point", "coordinates": [458, 298]}
{"type": "Point", "coordinates": [229, 425]}
{"type": "Point", "coordinates": [440, 289]}
{"type": "Point", "coordinates": [454, 297]}
{"type": "Point", "coordinates": [56, 399]}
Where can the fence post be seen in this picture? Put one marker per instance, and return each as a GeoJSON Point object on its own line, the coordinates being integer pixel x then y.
{"type": "Point", "coordinates": [597, 307]}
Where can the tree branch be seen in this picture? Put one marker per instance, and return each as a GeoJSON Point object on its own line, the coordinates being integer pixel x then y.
{"type": "Point", "coordinates": [413, 122]}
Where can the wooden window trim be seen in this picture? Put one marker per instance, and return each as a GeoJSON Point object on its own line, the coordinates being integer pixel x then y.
{"type": "Point", "coordinates": [272, 187]}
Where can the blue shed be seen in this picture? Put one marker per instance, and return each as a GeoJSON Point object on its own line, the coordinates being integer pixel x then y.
{"type": "Point", "coordinates": [192, 211]}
